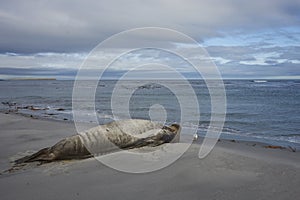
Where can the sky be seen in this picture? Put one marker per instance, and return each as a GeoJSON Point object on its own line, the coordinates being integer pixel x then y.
{"type": "Point", "coordinates": [245, 39]}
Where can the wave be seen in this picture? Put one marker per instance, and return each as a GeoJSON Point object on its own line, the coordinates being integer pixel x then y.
{"type": "Point", "coordinates": [289, 139]}
{"type": "Point", "coordinates": [260, 81]}
{"type": "Point", "coordinates": [239, 134]}
{"type": "Point", "coordinates": [150, 86]}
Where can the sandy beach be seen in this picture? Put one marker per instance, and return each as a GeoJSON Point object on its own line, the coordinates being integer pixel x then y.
{"type": "Point", "coordinates": [233, 170]}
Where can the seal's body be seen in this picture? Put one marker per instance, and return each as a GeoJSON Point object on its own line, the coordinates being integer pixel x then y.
{"type": "Point", "coordinates": [126, 134]}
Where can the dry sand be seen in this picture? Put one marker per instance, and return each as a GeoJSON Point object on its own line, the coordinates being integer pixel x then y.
{"type": "Point", "coordinates": [233, 170]}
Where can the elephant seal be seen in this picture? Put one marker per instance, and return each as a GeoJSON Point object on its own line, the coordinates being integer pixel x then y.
{"type": "Point", "coordinates": [125, 134]}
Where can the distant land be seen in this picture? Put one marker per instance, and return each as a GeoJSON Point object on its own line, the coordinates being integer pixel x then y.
{"type": "Point", "coordinates": [30, 79]}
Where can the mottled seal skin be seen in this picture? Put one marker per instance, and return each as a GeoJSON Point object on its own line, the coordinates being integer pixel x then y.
{"type": "Point", "coordinates": [126, 134]}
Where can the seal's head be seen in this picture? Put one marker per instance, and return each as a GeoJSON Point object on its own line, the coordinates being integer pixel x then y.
{"type": "Point", "coordinates": [174, 128]}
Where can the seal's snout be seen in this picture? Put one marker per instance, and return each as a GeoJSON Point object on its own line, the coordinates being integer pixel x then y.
{"type": "Point", "coordinates": [175, 127]}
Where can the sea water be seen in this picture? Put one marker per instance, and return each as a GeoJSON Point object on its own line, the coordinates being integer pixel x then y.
{"type": "Point", "coordinates": [257, 110]}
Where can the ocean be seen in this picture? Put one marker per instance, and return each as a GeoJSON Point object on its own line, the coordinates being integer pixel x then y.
{"type": "Point", "coordinates": [257, 110]}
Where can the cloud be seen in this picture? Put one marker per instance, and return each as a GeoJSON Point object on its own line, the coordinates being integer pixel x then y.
{"type": "Point", "coordinates": [244, 38]}
{"type": "Point", "coordinates": [232, 61]}
{"type": "Point", "coordinates": [72, 26]}
{"type": "Point", "coordinates": [37, 72]}
{"type": "Point", "coordinates": [42, 60]}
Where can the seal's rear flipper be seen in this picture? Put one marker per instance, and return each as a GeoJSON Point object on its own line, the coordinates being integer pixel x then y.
{"type": "Point", "coordinates": [42, 155]}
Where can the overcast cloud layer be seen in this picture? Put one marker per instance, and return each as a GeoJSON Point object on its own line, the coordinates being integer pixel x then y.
{"type": "Point", "coordinates": [259, 38]}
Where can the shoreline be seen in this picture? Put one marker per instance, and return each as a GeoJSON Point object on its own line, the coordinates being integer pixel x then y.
{"type": "Point", "coordinates": [35, 117]}
{"type": "Point", "coordinates": [233, 170]}
{"type": "Point", "coordinates": [282, 145]}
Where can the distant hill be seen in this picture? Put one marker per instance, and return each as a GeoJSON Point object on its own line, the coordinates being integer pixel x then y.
{"type": "Point", "coordinates": [30, 79]}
